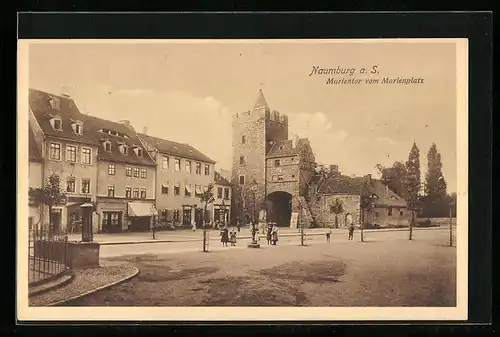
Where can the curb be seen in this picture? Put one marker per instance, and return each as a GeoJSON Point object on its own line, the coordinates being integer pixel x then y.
{"type": "Point", "coordinates": [57, 286]}
{"type": "Point", "coordinates": [97, 289]}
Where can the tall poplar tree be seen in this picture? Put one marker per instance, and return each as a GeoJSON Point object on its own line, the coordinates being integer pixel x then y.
{"type": "Point", "coordinates": [413, 176]}
{"type": "Point", "coordinates": [435, 184]}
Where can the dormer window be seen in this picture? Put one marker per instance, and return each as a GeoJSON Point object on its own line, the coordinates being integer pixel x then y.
{"type": "Point", "coordinates": [107, 146]}
{"type": "Point", "coordinates": [124, 149]}
{"type": "Point", "coordinates": [77, 127]}
{"type": "Point", "coordinates": [56, 123]}
{"type": "Point", "coordinates": [138, 151]}
{"type": "Point", "coordinates": [55, 103]}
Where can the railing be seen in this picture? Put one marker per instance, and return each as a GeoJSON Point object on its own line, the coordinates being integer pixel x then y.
{"type": "Point", "coordinates": [47, 255]}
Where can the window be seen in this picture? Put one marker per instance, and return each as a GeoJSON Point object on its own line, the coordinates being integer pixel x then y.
{"type": "Point", "coordinates": [177, 189]}
{"type": "Point", "coordinates": [123, 149]}
{"type": "Point", "coordinates": [242, 180]}
{"type": "Point", "coordinates": [164, 188]}
{"type": "Point", "coordinates": [85, 186]}
{"type": "Point", "coordinates": [55, 151]}
{"type": "Point", "coordinates": [187, 190]}
{"type": "Point", "coordinates": [111, 191]}
{"type": "Point", "coordinates": [55, 103]}
{"type": "Point", "coordinates": [188, 166]}
{"type": "Point", "coordinates": [128, 171]}
{"type": "Point", "coordinates": [107, 146]}
{"type": "Point", "coordinates": [198, 168]}
{"type": "Point", "coordinates": [377, 214]}
{"type": "Point", "coordinates": [197, 191]}
{"type": "Point", "coordinates": [274, 178]}
{"type": "Point", "coordinates": [176, 215]}
{"type": "Point", "coordinates": [277, 162]}
{"type": "Point", "coordinates": [389, 211]}
{"type": "Point", "coordinates": [243, 139]}
{"type": "Point", "coordinates": [242, 160]}
{"type": "Point", "coordinates": [143, 193]}
{"type": "Point", "coordinates": [57, 123]}
{"type": "Point", "coordinates": [207, 169]}
{"type": "Point", "coordinates": [401, 213]}
{"type": "Point", "coordinates": [138, 151]}
{"type": "Point", "coordinates": [71, 153]}
{"type": "Point", "coordinates": [163, 215]}
{"type": "Point", "coordinates": [177, 165]}
{"type": "Point", "coordinates": [78, 128]}
{"type": "Point", "coordinates": [136, 172]}
{"type": "Point", "coordinates": [70, 185]}
{"type": "Point", "coordinates": [111, 169]}
{"type": "Point", "coordinates": [164, 163]}
{"type": "Point", "coordinates": [136, 193]}
{"type": "Point", "coordinates": [86, 155]}
{"type": "Point", "coordinates": [226, 193]}
{"type": "Point", "coordinates": [280, 177]}
{"type": "Point", "coordinates": [219, 192]}
{"type": "Point", "coordinates": [144, 173]}
{"type": "Point", "coordinates": [128, 192]}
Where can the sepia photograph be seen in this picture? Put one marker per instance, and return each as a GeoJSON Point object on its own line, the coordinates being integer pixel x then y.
{"type": "Point", "coordinates": [253, 179]}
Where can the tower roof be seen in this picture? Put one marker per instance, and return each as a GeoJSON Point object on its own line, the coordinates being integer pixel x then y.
{"type": "Point", "coordinates": [261, 101]}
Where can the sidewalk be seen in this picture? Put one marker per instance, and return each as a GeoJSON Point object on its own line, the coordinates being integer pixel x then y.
{"type": "Point", "coordinates": [187, 235]}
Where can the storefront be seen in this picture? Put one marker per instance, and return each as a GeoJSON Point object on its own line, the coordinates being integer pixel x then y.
{"type": "Point", "coordinates": [140, 216]}
{"type": "Point", "coordinates": [221, 213]}
{"type": "Point", "coordinates": [187, 216]}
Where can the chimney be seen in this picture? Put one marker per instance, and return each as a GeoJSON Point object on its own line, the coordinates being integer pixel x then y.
{"type": "Point", "coordinates": [334, 170]}
{"type": "Point", "coordinates": [145, 130]}
{"type": "Point", "coordinates": [66, 91]}
{"type": "Point", "coordinates": [295, 140]}
{"type": "Point", "coordinates": [126, 122]}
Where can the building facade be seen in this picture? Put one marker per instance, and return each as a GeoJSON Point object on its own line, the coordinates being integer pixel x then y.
{"type": "Point", "coordinates": [68, 149]}
{"type": "Point", "coordinates": [265, 158]}
{"type": "Point", "coordinates": [37, 215]}
{"type": "Point", "coordinates": [221, 207]}
{"type": "Point", "coordinates": [182, 174]}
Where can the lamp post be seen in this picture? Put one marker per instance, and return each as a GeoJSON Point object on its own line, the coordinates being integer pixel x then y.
{"type": "Point", "coordinates": [87, 234]}
{"type": "Point", "coordinates": [154, 213]}
{"type": "Point", "coordinates": [254, 243]}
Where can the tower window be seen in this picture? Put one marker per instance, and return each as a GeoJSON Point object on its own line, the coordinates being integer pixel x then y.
{"type": "Point", "coordinates": [242, 160]}
{"type": "Point", "coordinates": [277, 162]}
{"type": "Point", "coordinates": [242, 180]}
{"type": "Point", "coordinates": [243, 139]}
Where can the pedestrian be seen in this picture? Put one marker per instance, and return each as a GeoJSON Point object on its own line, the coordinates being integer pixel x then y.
{"type": "Point", "coordinates": [328, 235]}
{"type": "Point", "coordinates": [193, 225]}
{"type": "Point", "coordinates": [274, 234]}
{"type": "Point", "coordinates": [269, 232]}
{"type": "Point", "coordinates": [233, 238]}
{"type": "Point", "coordinates": [224, 237]}
{"type": "Point", "coordinates": [238, 225]}
{"type": "Point", "coordinates": [351, 231]}
{"type": "Point", "coordinates": [350, 225]}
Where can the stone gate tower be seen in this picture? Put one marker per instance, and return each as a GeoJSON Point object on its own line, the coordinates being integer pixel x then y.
{"type": "Point", "coordinates": [254, 133]}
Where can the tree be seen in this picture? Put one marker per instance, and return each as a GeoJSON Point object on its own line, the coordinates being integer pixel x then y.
{"type": "Point", "coordinates": [435, 185]}
{"type": "Point", "coordinates": [337, 208]}
{"type": "Point", "coordinates": [206, 198]}
{"type": "Point", "coordinates": [412, 183]}
{"type": "Point", "coordinates": [366, 203]}
{"type": "Point", "coordinates": [395, 177]}
{"type": "Point", "coordinates": [51, 195]}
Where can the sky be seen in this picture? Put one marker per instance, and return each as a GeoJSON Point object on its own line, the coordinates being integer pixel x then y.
{"type": "Point", "coordinates": [187, 92]}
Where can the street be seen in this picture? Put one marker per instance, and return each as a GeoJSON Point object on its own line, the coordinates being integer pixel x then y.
{"type": "Point", "coordinates": [386, 270]}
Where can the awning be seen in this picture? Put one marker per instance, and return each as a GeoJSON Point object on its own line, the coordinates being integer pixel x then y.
{"type": "Point", "coordinates": [177, 184]}
{"type": "Point", "coordinates": [165, 184]}
{"type": "Point", "coordinates": [198, 189]}
{"type": "Point", "coordinates": [188, 188]}
{"type": "Point", "coordinates": [140, 209]}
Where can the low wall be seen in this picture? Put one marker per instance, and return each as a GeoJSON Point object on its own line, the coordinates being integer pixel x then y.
{"type": "Point", "coordinates": [75, 255]}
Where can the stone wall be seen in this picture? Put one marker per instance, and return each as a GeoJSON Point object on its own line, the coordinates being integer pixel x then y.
{"type": "Point", "coordinates": [320, 208]}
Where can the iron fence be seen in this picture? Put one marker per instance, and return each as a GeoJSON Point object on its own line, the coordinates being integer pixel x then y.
{"type": "Point", "coordinates": [47, 254]}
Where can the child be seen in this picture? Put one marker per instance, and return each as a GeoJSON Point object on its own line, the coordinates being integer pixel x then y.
{"type": "Point", "coordinates": [233, 238]}
{"type": "Point", "coordinates": [351, 231]}
{"type": "Point", "coordinates": [328, 234]}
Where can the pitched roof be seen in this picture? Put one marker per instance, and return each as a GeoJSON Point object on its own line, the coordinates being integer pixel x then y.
{"type": "Point", "coordinates": [342, 185]}
{"type": "Point", "coordinates": [357, 186]}
{"type": "Point", "coordinates": [34, 152]}
{"type": "Point", "coordinates": [385, 196]}
{"type": "Point", "coordinates": [220, 180]}
{"type": "Point", "coordinates": [176, 149]}
{"type": "Point", "coordinates": [39, 102]}
{"type": "Point", "coordinates": [95, 125]}
{"type": "Point", "coordinates": [284, 148]}
{"type": "Point", "coordinates": [92, 126]}
{"type": "Point", "coordinates": [260, 101]}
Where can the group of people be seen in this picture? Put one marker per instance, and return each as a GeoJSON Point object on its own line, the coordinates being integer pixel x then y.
{"type": "Point", "coordinates": [272, 233]}
{"type": "Point", "coordinates": [227, 236]}
{"type": "Point", "coordinates": [350, 227]}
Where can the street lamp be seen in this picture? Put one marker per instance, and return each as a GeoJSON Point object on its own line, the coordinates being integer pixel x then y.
{"type": "Point", "coordinates": [254, 243]}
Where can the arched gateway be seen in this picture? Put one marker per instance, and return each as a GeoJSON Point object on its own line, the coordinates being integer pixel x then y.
{"type": "Point", "coordinates": [279, 207]}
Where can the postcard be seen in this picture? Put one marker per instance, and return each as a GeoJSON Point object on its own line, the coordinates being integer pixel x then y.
{"type": "Point", "coordinates": [262, 180]}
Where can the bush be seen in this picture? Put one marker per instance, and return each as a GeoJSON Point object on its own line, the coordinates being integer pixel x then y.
{"type": "Point", "coordinates": [425, 223]}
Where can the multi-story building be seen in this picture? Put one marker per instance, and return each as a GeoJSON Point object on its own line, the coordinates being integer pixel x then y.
{"type": "Point", "coordinates": [125, 178]}
{"type": "Point", "coordinates": [68, 149]}
{"type": "Point", "coordinates": [222, 199]}
{"type": "Point", "coordinates": [35, 174]}
{"type": "Point", "coordinates": [182, 174]}
{"type": "Point", "coordinates": [278, 168]}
